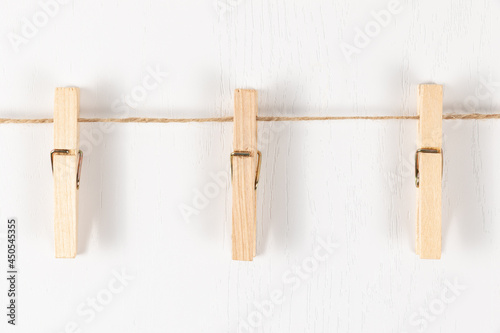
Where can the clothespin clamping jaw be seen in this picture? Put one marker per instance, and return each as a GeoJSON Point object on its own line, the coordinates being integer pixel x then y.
{"type": "Point", "coordinates": [429, 171]}
{"type": "Point", "coordinates": [66, 160]}
{"type": "Point", "coordinates": [245, 170]}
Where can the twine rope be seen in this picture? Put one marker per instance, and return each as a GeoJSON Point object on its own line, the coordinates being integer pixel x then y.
{"type": "Point", "coordinates": [448, 116]}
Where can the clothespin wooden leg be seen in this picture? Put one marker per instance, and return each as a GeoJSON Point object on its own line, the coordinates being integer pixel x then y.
{"type": "Point", "coordinates": [428, 171]}
{"type": "Point", "coordinates": [245, 168]}
{"type": "Point", "coordinates": [66, 161]}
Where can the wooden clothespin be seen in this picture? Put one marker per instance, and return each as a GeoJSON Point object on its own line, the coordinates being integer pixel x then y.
{"type": "Point", "coordinates": [245, 169]}
{"type": "Point", "coordinates": [429, 170]}
{"type": "Point", "coordinates": [66, 160]}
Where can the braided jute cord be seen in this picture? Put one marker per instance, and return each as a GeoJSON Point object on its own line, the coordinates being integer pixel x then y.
{"type": "Point", "coordinates": [229, 119]}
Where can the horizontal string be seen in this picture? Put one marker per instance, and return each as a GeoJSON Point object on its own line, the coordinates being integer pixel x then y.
{"type": "Point", "coordinates": [230, 119]}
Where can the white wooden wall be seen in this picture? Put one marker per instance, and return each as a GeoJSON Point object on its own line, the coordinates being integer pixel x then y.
{"type": "Point", "coordinates": [346, 182]}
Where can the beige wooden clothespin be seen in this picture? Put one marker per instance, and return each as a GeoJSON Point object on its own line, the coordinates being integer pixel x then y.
{"type": "Point", "coordinates": [245, 169]}
{"type": "Point", "coordinates": [428, 171]}
{"type": "Point", "coordinates": [66, 160]}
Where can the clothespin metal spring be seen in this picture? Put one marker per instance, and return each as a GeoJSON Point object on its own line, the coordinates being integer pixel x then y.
{"type": "Point", "coordinates": [67, 152]}
{"type": "Point", "coordinates": [426, 151]}
{"type": "Point", "coordinates": [248, 154]}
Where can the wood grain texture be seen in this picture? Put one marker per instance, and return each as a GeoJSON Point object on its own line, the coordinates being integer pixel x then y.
{"type": "Point", "coordinates": [428, 226]}
{"type": "Point", "coordinates": [243, 177]}
{"type": "Point", "coordinates": [352, 180]}
{"type": "Point", "coordinates": [65, 168]}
